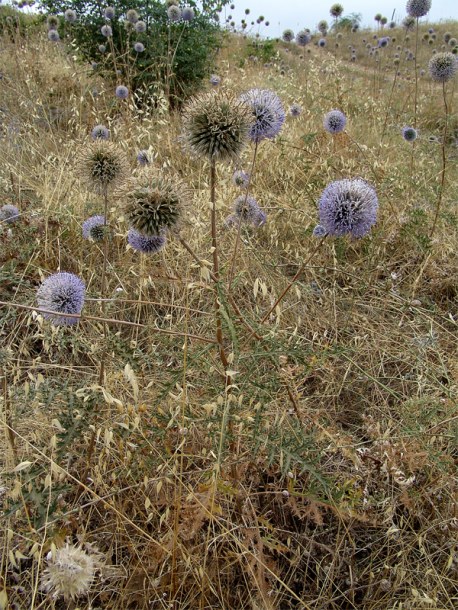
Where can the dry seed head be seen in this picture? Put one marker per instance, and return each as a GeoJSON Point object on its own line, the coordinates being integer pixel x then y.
{"type": "Point", "coordinates": [102, 166]}
{"type": "Point", "coordinates": [216, 126]}
{"type": "Point", "coordinates": [69, 572]}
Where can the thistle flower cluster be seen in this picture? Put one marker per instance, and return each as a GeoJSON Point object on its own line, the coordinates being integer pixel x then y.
{"type": "Point", "coordinates": [62, 293]}
{"type": "Point", "coordinates": [69, 573]}
{"type": "Point", "coordinates": [146, 244]}
{"type": "Point", "coordinates": [216, 126]}
{"type": "Point", "coordinates": [246, 210]}
{"type": "Point", "coordinates": [334, 122]}
{"type": "Point", "coordinates": [443, 67]}
{"type": "Point", "coordinates": [409, 134]}
{"type": "Point", "coordinates": [9, 214]}
{"type": "Point", "coordinates": [100, 132]}
{"type": "Point", "coordinates": [418, 8]}
{"type": "Point", "coordinates": [267, 112]}
{"type": "Point", "coordinates": [102, 166]}
{"type": "Point", "coordinates": [348, 207]}
{"type": "Point", "coordinates": [94, 228]}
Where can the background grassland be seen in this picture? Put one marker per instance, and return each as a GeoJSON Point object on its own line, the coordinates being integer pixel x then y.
{"type": "Point", "coordinates": [326, 476]}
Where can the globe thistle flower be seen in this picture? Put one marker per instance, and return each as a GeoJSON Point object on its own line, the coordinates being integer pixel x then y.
{"type": "Point", "coordinates": [392, 25]}
{"type": "Point", "coordinates": [147, 244]}
{"type": "Point", "coordinates": [322, 26]}
{"type": "Point", "coordinates": [69, 573]}
{"type": "Point", "coordinates": [215, 80]}
{"type": "Point", "coordinates": [102, 166]}
{"type": "Point", "coordinates": [334, 122]}
{"type": "Point", "coordinates": [174, 13]}
{"type": "Point", "coordinates": [70, 15]}
{"type": "Point", "coordinates": [303, 38]}
{"type": "Point", "coordinates": [53, 36]}
{"type": "Point", "coordinates": [322, 42]}
{"type": "Point", "coordinates": [246, 210]}
{"type": "Point", "coordinates": [348, 207]}
{"type": "Point", "coordinates": [153, 202]}
{"type": "Point", "coordinates": [106, 31]}
{"type": "Point", "coordinates": [143, 158]}
{"type": "Point", "coordinates": [447, 37]}
{"type": "Point", "coordinates": [295, 110]}
{"type": "Point", "coordinates": [216, 126]}
{"type": "Point", "coordinates": [241, 179]}
{"type": "Point", "coordinates": [139, 47]}
{"type": "Point", "coordinates": [132, 16]}
{"type": "Point", "coordinates": [109, 13]}
{"type": "Point", "coordinates": [288, 35]}
{"type": "Point", "coordinates": [267, 111]}
{"type": "Point", "coordinates": [319, 231]}
{"type": "Point", "coordinates": [409, 134]}
{"type": "Point", "coordinates": [336, 10]}
{"type": "Point", "coordinates": [443, 66]}
{"type": "Point", "coordinates": [187, 14]}
{"type": "Point", "coordinates": [122, 92]}
{"type": "Point", "coordinates": [52, 22]}
{"type": "Point", "coordinates": [408, 23]}
{"type": "Point", "coordinates": [94, 228]}
{"type": "Point", "coordinates": [383, 42]}
{"type": "Point", "coordinates": [100, 132]}
{"type": "Point", "coordinates": [9, 214]}
{"type": "Point", "coordinates": [452, 42]}
{"type": "Point", "coordinates": [102, 48]}
{"type": "Point", "coordinates": [418, 8]}
{"type": "Point", "coordinates": [140, 27]}
{"type": "Point", "coordinates": [62, 293]}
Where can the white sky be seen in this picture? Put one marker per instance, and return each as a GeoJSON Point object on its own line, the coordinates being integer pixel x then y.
{"type": "Point", "coordinates": [298, 14]}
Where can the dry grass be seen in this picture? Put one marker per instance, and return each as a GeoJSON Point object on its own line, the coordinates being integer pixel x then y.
{"type": "Point", "coordinates": [325, 477]}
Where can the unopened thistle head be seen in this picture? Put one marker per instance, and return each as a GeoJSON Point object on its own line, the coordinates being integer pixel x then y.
{"type": "Point", "coordinates": [70, 15]}
{"type": "Point", "coordinates": [122, 92]}
{"type": "Point", "coordinates": [69, 572]}
{"type": "Point", "coordinates": [62, 293]}
{"type": "Point", "coordinates": [140, 27]}
{"type": "Point", "coordinates": [52, 21]}
{"type": "Point", "coordinates": [9, 214]}
{"type": "Point", "coordinates": [267, 111]}
{"type": "Point", "coordinates": [147, 244]}
{"type": "Point", "coordinates": [334, 122]}
{"type": "Point", "coordinates": [53, 36]}
{"type": "Point", "coordinates": [303, 38]}
{"type": "Point", "coordinates": [288, 35]}
{"type": "Point", "coordinates": [187, 14]}
{"type": "Point", "coordinates": [443, 67]}
{"type": "Point", "coordinates": [106, 31]}
{"type": "Point", "coordinates": [348, 207]}
{"type": "Point", "coordinates": [409, 134]}
{"type": "Point", "coordinates": [94, 228]}
{"type": "Point", "coordinates": [241, 179]}
{"type": "Point", "coordinates": [132, 16]}
{"type": "Point", "coordinates": [153, 202]}
{"type": "Point", "coordinates": [336, 10]}
{"type": "Point", "coordinates": [139, 47]}
{"type": "Point", "coordinates": [100, 132]}
{"type": "Point", "coordinates": [418, 8]}
{"type": "Point", "coordinates": [109, 13]}
{"type": "Point", "coordinates": [216, 125]}
{"type": "Point", "coordinates": [174, 13]}
{"type": "Point", "coordinates": [322, 26]}
{"type": "Point", "coordinates": [102, 166]}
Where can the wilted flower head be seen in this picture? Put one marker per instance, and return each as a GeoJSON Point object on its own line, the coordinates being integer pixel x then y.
{"type": "Point", "coordinates": [216, 125]}
{"type": "Point", "coordinates": [109, 12]}
{"type": "Point", "coordinates": [303, 38]}
{"type": "Point", "coordinates": [322, 26]}
{"type": "Point", "coordinates": [100, 132]}
{"type": "Point", "coordinates": [53, 36]}
{"type": "Point", "coordinates": [174, 13]}
{"type": "Point", "coordinates": [132, 16]}
{"type": "Point", "coordinates": [139, 47]}
{"type": "Point", "coordinates": [9, 214]}
{"type": "Point", "coordinates": [122, 92]}
{"type": "Point", "coordinates": [187, 14]}
{"type": "Point", "coordinates": [70, 15]}
{"type": "Point", "coordinates": [147, 244]}
{"type": "Point", "coordinates": [102, 165]}
{"type": "Point", "coordinates": [241, 179]}
{"type": "Point", "coordinates": [215, 80]}
{"type": "Point", "coordinates": [288, 35]}
{"type": "Point", "coordinates": [267, 111]}
{"type": "Point", "coordinates": [52, 21]}
{"type": "Point", "coordinates": [143, 158]}
{"type": "Point", "coordinates": [140, 27]}
{"type": "Point", "coordinates": [418, 8]}
{"type": "Point", "coordinates": [69, 573]}
{"type": "Point", "coordinates": [63, 293]}
{"type": "Point", "coordinates": [409, 134]}
{"type": "Point", "coordinates": [153, 202]}
{"type": "Point", "coordinates": [348, 207]}
{"type": "Point", "coordinates": [335, 121]}
{"type": "Point", "coordinates": [295, 110]}
{"type": "Point", "coordinates": [443, 66]}
{"type": "Point", "coordinates": [106, 31]}
{"type": "Point", "coordinates": [336, 10]}
{"type": "Point", "coordinates": [94, 228]}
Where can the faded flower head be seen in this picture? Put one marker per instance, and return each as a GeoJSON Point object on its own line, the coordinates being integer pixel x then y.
{"type": "Point", "coordinates": [174, 13]}
{"type": "Point", "coordinates": [334, 122]}
{"type": "Point", "coordinates": [153, 202]}
{"type": "Point", "coordinates": [408, 22]}
{"type": "Point", "coordinates": [63, 293]}
{"type": "Point", "coordinates": [241, 179]}
{"type": "Point", "coordinates": [247, 210]}
{"type": "Point", "coordinates": [106, 31]}
{"type": "Point", "coordinates": [140, 27]}
{"type": "Point", "coordinates": [187, 14]}
{"type": "Point", "coordinates": [9, 214]}
{"type": "Point", "coordinates": [102, 165]}
{"type": "Point", "coordinates": [418, 8]}
{"type": "Point", "coordinates": [267, 111]}
{"type": "Point", "coordinates": [122, 92]}
{"type": "Point", "coordinates": [132, 16]}
{"type": "Point", "coordinates": [69, 573]}
{"type": "Point", "coordinates": [139, 47]}
{"type": "Point", "coordinates": [53, 36]}
{"type": "Point", "coordinates": [336, 10]}
{"type": "Point", "coordinates": [147, 244]}
{"type": "Point", "coordinates": [100, 132]}
{"type": "Point", "coordinates": [295, 110]}
{"type": "Point", "coordinates": [303, 38]}
{"type": "Point", "coordinates": [216, 125]}
{"type": "Point", "coordinates": [288, 35]}
{"type": "Point", "coordinates": [94, 228]}
{"type": "Point", "coordinates": [70, 15]}
{"type": "Point", "coordinates": [409, 134]}
{"type": "Point", "coordinates": [348, 207]}
{"type": "Point", "coordinates": [443, 66]}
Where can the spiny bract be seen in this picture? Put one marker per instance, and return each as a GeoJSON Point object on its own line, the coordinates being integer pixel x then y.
{"type": "Point", "coordinates": [102, 165]}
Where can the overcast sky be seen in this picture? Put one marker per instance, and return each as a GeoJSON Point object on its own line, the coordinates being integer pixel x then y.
{"type": "Point", "coordinates": [298, 14]}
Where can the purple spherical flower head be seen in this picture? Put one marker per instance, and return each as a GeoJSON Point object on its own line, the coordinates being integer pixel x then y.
{"type": "Point", "coordinates": [9, 214]}
{"type": "Point", "coordinates": [62, 293]}
{"type": "Point", "coordinates": [241, 179]}
{"type": "Point", "coordinates": [109, 12]}
{"type": "Point", "coordinates": [335, 121]}
{"type": "Point", "coordinates": [348, 207]}
{"type": "Point", "coordinates": [288, 35]}
{"type": "Point", "coordinates": [100, 132]}
{"type": "Point", "coordinates": [147, 244]}
{"type": "Point", "coordinates": [409, 134]}
{"type": "Point", "coordinates": [319, 231]}
{"type": "Point", "coordinates": [443, 66]}
{"type": "Point", "coordinates": [143, 158]}
{"type": "Point", "coordinates": [418, 8]}
{"type": "Point", "coordinates": [53, 36]}
{"type": "Point", "coordinates": [383, 42]}
{"type": "Point", "coordinates": [140, 27]}
{"type": "Point", "coordinates": [174, 13]}
{"type": "Point", "coordinates": [122, 92]}
{"type": "Point", "coordinates": [247, 210]}
{"type": "Point", "coordinates": [139, 47]}
{"type": "Point", "coordinates": [303, 38]}
{"type": "Point", "coordinates": [322, 42]}
{"type": "Point", "coordinates": [94, 228]}
{"type": "Point", "coordinates": [215, 80]}
{"type": "Point", "coordinates": [268, 113]}
{"type": "Point", "coordinates": [187, 14]}
{"type": "Point", "coordinates": [106, 31]}
{"type": "Point", "coordinates": [295, 110]}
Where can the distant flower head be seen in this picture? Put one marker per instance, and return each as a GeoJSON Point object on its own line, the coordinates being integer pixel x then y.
{"type": "Point", "coordinates": [100, 132]}
{"type": "Point", "coordinates": [9, 214]}
{"type": "Point", "coordinates": [418, 8]}
{"type": "Point", "coordinates": [106, 31]}
{"type": "Point", "coordinates": [295, 110]}
{"type": "Point", "coordinates": [392, 25]}
{"type": "Point", "coordinates": [153, 202]}
{"type": "Point", "coordinates": [303, 38]}
{"type": "Point", "coordinates": [336, 10]}
{"type": "Point", "coordinates": [143, 158]}
{"type": "Point", "coordinates": [174, 13]}
{"type": "Point", "coordinates": [52, 21]}
{"type": "Point", "coordinates": [102, 165]}
{"type": "Point", "coordinates": [187, 14]}
{"type": "Point", "coordinates": [70, 16]}
{"type": "Point", "coordinates": [409, 134]}
{"type": "Point", "coordinates": [322, 26]}
{"type": "Point", "coordinates": [109, 12]}
{"type": "Point", "coordinates": [322, 42]}
{"type": "Point", "coordinates": [408, 22]}
{"type": "Point", "coordinates": [216, 126]}
{"type": "Point", "coordinates": [348, 207]}
{"type": "Point", "coordinates": [62, 293]}
{"type": "Point", "coordinates": [335, 121]}
{"type": "Point", "coordinates": [383, 42]}
{"type": "Point", "coordinates": [267, 111]}
{"type": "Point", "coordinates": [241, 179]}
{"type": "Point", "coordinates": [53, 36]}
{"type": "Point", "coordinates": [215, 80]}
{"type": "Point", "coordinates": [147, 244]}
{"type": "Point", "coordinates": [246, 210]}
{"type": "Point", "coordinates": [122, 92]}
{"type": "Point", "coordinates": [140, 27]}
{"type": "Point", "coordinates": [288, 35]}
{"type": "Point", "coordinates": [447, 37]}
{"type": "Point", "coordinates": [443, 67]}
{"type": "Point", "coordinates": [94, 228]}
{"type": "Point", "coordinates": [70, 572]}
{"type": "Point", "coordinates": [132, 16]}
{"type": "Point", "coordinates": [139, 47]}
{"type": "Point", "coordinates": [102, 48]}
{"type": "Point", "coordinates": [319, 231]}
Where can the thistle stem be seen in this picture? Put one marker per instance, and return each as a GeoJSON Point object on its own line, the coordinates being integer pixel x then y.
{"type": "Point", "coordinates": [444, 163]}
{"type": "Point", "coordinates": [103, 283]}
